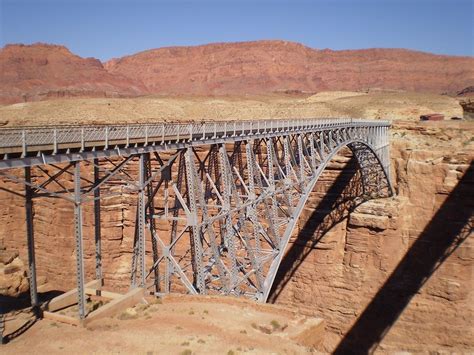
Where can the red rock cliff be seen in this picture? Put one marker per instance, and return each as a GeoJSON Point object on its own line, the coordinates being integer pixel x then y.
{"type": "Point", "coordinates": [267, 66]}
{"type": "Point", "coordinates": [39, 71]}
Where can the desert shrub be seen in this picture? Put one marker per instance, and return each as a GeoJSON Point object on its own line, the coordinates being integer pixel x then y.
{"type": "Point", "coordinates": [275, 324]}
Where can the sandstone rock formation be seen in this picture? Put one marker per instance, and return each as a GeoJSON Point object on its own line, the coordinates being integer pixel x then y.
{"type": "Point", "coordinates": [382, 259]}
{"type": "Point", "coordinates": [468, 108]}
{"type": "Point", "coordinates": [269, 66]}
{"type": "Point", "coordinates": [13, 277]}
{"type": "Point", "coordinates": [42, 71]}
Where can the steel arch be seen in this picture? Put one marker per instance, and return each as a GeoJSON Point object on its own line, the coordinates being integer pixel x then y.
{"type": "Point", "coordinates": [296, 215]}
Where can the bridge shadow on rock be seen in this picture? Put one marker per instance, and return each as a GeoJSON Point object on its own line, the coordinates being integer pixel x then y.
{"type": "Point", "coordinates": [448, 229]}
{"type": "Point", "coordinates": [343, 196]}
{"type": "Point", "coordinates": [18, 310]}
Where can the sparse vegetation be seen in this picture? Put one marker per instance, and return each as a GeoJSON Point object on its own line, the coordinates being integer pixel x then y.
{"type": "Point", "coordinates": [468, 141]}
{"type": "Point", "coordinates": [157, 300]}
{"type": "Point", "coordinates": [185, 343]}
{"type": "Point", "coordinates": [186, 352]}
{"type": "Point", "coordinates": [243, 331]}
{"type": "Point", "coordinates": [127, 315]}
{"type": "Point", "coordinates": [201, 341]}
{"type": "Point", "coordinates": [275, 324]}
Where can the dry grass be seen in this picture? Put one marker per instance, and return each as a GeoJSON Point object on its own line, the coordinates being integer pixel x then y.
{"type": "Point", "coordinates": [391, 105]}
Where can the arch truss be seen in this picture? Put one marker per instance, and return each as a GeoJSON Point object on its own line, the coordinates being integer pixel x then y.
{"type": "Point", "coordinates": [216, 203]}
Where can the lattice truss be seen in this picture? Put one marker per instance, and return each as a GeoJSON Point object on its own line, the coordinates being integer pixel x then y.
{"type": "Point", "coordinates": [212, 216]}
{"type": "Point", "coordinates": [220, 216]}
{"type": "Point", "coordinates": [84, 184]}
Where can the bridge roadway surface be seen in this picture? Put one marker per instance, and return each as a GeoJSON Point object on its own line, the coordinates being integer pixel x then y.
{"type": "Point", "coordinates": [230, 191]}
{"type": "Point", "coordinates": [29, 146]}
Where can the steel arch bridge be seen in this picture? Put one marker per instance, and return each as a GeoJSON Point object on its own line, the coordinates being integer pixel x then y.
{"type": "Point", "coordinates": [216, 202]}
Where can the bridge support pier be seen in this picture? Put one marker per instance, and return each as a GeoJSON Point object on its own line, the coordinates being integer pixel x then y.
{"type": "Point", "coordinates": [81, 298]}
{"type": "Point", "coordinates": [31, 241]}
{"type": "Point", "coordinates": [97, 227]}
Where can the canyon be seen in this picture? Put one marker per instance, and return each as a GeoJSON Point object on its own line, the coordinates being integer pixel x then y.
{"type": "Point", "coordinates": [410, 254]}
{"type": "Point", "coordinates": [388, 275]}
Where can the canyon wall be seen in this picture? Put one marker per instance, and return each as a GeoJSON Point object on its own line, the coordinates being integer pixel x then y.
{"type": "Point", "coordinates": [44, 71]}
{"type": "Point", "coordinates": [394, 274]}
{"type": "Point", "coordinates": [283, 66]}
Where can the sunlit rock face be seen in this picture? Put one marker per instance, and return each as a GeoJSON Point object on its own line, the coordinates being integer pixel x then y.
{"type": "Point", "coordinates": [282, 66]}
{"type": "Point", "coordinates": [43, 71]}
{"type": "Point", "coordinates": [410, 255]}
{"type": "Point", "coordinates": [13, 276]}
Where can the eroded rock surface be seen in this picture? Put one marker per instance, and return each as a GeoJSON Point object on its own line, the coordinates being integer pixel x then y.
{"type": "Point", "coordinates": [399, 269]}
{"type": "Point", "coordinates": [13, 276]}
{"type": "Point", "coordinates": [42, 71]}
{"type": "Point", "coordinates": [268, 66]}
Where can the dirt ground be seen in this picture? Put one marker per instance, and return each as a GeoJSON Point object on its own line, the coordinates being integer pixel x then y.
{"type": "Point", "coordinates": [177, 325]}
{"type": "Point", "coordinates": [375, 104]}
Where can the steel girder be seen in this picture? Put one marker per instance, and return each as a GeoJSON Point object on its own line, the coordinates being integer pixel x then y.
{"type": "Point", "coordinates": [219, 206]}
{"type": "Point", "coordinates": [233, 217]}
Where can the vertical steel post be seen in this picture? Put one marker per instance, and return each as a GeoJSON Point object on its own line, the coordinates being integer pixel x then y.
{"type": "Point", "coordinates": [193, 222]}
{"type": "Point", "coordinates": [271, 187]}
{"type": "Point", "coordinates": [229, 235]}
{"type": "Point", "coordinates": [97, 229]}
{"type": "Point", "coordinates": [252, 214]}
{"type": "Point", "coordinates": [79, 241]}
{"type": "Point", "coordinates": [31, 240]}
{"type": "Point", "coordinates": [301, 160]}
{"type": "Point", "coordinates": [312, 151]}
{"type": "Point", "coordinates": [141, 218]}
{"type": "Point", "coordinates": [288, 169]}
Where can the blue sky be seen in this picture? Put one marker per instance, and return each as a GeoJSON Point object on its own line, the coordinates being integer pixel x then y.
{"type": "Point", "coordinates": [112, 28]}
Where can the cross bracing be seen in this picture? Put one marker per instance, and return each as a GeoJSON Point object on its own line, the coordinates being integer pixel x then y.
{"type": "Point", "coordinates": [216, 203]}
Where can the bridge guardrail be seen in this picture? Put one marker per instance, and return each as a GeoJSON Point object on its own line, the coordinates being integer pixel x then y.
{"type": "Point", "coordinates": [40, 136]}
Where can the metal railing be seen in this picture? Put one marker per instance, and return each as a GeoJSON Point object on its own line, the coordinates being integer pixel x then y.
{"type": "Point", "coordinates": [103, 135]}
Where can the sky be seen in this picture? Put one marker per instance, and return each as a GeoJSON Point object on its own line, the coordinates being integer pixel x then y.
{"type": "Point", "coordinates": [106, 29]}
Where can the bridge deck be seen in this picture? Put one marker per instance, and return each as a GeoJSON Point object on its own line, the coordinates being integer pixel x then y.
{"type": "Point", "coordinates": [28, 146]}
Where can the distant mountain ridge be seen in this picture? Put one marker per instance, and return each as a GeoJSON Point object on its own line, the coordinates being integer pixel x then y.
{"type": "Point", "coordinates": [41, 71]}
